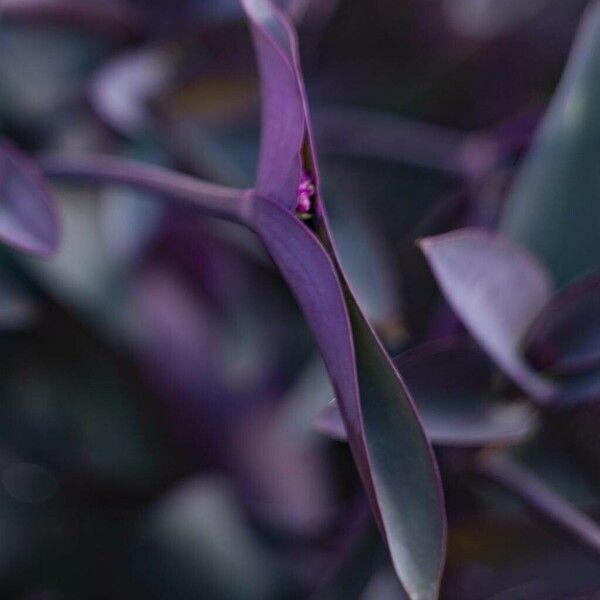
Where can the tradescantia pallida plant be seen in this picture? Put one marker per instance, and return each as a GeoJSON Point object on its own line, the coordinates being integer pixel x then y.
{"type": "Point", "coordinates": [285, 210]}
{"type": "Point", "coordinates": [479, 402]}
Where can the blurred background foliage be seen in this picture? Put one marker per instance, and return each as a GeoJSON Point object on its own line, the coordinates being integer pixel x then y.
{"type": "Point", "coordinates": [158, 384]}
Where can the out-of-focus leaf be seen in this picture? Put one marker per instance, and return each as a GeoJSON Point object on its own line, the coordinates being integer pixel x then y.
{"type": "Point", "coordinates": [199, 545]}
{"type": "Point", "coordinates": [565, 337]}
{"type": "Point", "coordinates": [496, 289]}
{"type": "Point", "coordinates": [121, 89]}
{"type": "Point", "coordinates": [29, 219]}
{"type": "Point", "coordinates": [554, 206]}
{"type": "Point", "coordinates": [451, 385]}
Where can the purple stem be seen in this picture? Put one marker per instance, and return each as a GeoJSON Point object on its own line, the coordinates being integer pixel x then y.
{"type": "Point", "coordinates": [529, 488]}
{"type": "Point", "coordinates": [219, 201]}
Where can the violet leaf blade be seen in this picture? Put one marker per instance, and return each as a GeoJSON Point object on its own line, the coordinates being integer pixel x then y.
{"type": "Point", "coordinates": [29, 219]}
{"type": "Point", "coordinates": [404, 470]}
{"type": "Point", "coordinates": [496, 289]}
{"type": "Point", "coordinates": [554, 205]}
{"type": "Point", "coordinates": [392, 453]}
{"type": "Point", "coordinates": [283, 124]}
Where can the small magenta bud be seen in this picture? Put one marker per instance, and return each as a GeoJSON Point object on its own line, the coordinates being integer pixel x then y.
{"type": "Point", "coordinates": [306, 191]}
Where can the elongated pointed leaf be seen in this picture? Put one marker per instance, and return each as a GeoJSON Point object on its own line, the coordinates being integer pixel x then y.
{"type": "Point", "coordinates": [497, 290]}
{"type": "Point", "coordinates": [385, 434]}
{"type": "Point", "coordinates": [554, 206]}
{"type": "Point", "coordinates": [451, 384]}
{"type": "Point", "coordinates": [28, 213]}
{"type": "Point", "coordinates": [565, 337]}
{"type": "Point", "coordinates": [283, 115]}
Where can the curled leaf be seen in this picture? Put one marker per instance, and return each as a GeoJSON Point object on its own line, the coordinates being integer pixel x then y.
{"type": "Point", "coordinates": [496, 289]}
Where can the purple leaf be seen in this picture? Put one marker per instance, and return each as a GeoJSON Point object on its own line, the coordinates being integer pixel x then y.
{"type": "Point", "coordinates": [451, 384]}
{"type": "Point", "coordinates": [283, 113]}
{"type": "Point", "coordinates": [565, 337]}
{"type": "Point", "coordinates": [28, 213]}
{"type": "Point", "coordinates": [496, 289]}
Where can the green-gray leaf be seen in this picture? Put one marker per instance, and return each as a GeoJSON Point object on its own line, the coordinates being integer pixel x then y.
{"type": "Point", "coordinates": [554, 206]}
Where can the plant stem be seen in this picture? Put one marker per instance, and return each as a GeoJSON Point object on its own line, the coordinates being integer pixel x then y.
{"type": "Point", "coordinates": [220, 201]}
